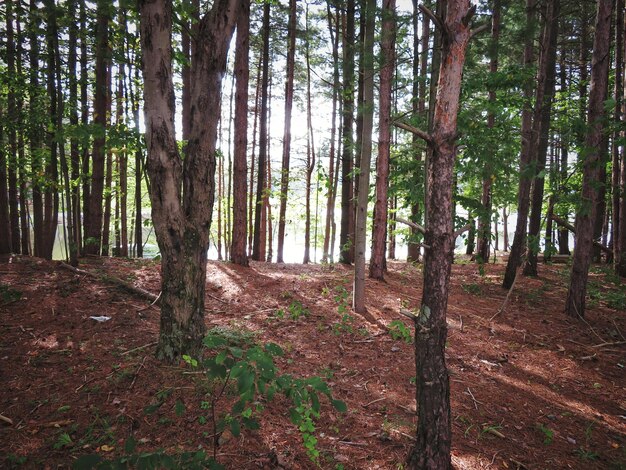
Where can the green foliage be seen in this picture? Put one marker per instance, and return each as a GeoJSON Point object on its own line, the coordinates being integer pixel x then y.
{"type": "Point", "coordinates": [8, 294]}
{"type": "Point", "coordinates": [472, 288]}
{"type": "Point", "coordinates": [399, 331]}
{"type": "Point", "coordinates": [64, 440]}
{"type": "Point", "coordinates": [548, 434]}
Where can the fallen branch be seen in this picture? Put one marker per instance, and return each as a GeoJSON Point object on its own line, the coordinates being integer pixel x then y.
{"type": "Point", "coordinates": [113, 280]}
{"type": "Point", "coordinates": [138, 348]}
{"type": "Point", "coordinates": [602, 345]}
{"type": "Point", "coordinates": [508, 296]}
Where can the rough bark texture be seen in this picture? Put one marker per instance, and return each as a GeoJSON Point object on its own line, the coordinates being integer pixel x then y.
{"type": "Point", "coordinates": [523, 194]}
{"type": "Point", "coordinates": [182, 219]}
{"type": "Point", "coordinates": [585, 218]}
{"type": "Point", "coordinates": [358, 301]}
{"type": "Point", "coordinates": [258, 242]}
{"type": "Point", "coordinates": [379, 230]}
{"type": "Point", "coordinates": [347, 157]}
{"type": "Point", "coordinates": [540, 130]}
{"type": "Point", "coordinates": [484, 221]}
{"type": "Point", "coordinates": [238, 254]}
{"type": "Point", "coordinates": [433, 439]}
{"type": "Point", "coordinates": [93, 231]}
{"type": "Point", "coordinates": [619, 212]}
{"type": "Point", "coordinates": [284, 176]}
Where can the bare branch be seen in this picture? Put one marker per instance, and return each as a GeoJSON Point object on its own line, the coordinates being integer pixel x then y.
{"type": "Point", "coordinates": [461, 231]}
{"type": "Point", "coordinates": [419, 228]}
{"type": "Point", "coordinates": [480, 29]}
{"type": "Point", "coordinates": [435, 19]}
{"type": "Point", "coordinates": [414, 130]}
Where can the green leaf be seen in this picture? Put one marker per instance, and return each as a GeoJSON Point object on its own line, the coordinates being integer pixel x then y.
{"type": "Point", "coordinates": [237, 369]}
{"type": "Point", "coordinates": [235, 428]}
{"type": "Point", "coordinates": [213, 341]}
{"type": "Point", "coordinates": [250, 423]}
{"type": "Point", "coordinates": [339, 405]}
{"type": "Point", "coordinates": [130, 445]}
{"type": "Point", "coordinates": [247, 413]}
{"type": "Point", "coordinates": [274, 349]}
{"type": "Point", "coordinates": [179, 408]}
{"type": "Point", "coordinates": [219, 359]}
{"type": "Point", "coordinates": [87, 462]}
{"type": "Point", "coordinates": [236, 352]}
{"type": "Point", "coordinates": [245, 382]}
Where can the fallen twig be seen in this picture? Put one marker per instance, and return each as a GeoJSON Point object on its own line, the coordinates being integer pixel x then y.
{"type": "Point", "coordinates": [138, 348]}
{"type": "Point", "coordinates": [602, 345]}
{"type": "Point", "coordinates": [476, 402]}
{"type": "Point", "coordinates": [373, 401]}
{"type": "Point", "coordinates": [137, 373]}
{"type": "Point", "coordinates": [6, 420]}
{"type": "Point", "coordinates": [508, 296]}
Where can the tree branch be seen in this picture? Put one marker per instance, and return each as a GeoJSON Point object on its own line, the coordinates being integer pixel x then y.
{"type": "Point", "coordinates": [479, 29]}
{"type": "Point", "coordinates": [570, 227]}
{"type": "Point", "coordinates": [419, 228]}
{"type": "Point", "coordinates": [435, 19]}
{"type": "Point", "coordinates": [461, 231]}
{"type": "Point", "coordinates": [414, 130]}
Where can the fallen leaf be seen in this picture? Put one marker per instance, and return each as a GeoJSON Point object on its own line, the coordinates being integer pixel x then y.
{"type": "Point", "coordinates": [106, 448]}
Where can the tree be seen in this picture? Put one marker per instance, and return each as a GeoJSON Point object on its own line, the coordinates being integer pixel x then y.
{"type": "Point", "coordinates": [182, 191]}
{"type": "Point", "coordinates": [284, 176]}
{"type": "Point", "coordinates": [238, 253]}
{"type": "Point", "coordinates": [379, 231]}
{"type": "Point", "coordinates": [593, 159]}
{"type": "Point", "coordinates": [358, 300]}
{"type": "Point", "coordinates": [432, 447]}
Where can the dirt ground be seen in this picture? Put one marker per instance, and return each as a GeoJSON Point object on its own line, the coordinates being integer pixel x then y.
{"type": "Point", "coordinates": [530, 388]}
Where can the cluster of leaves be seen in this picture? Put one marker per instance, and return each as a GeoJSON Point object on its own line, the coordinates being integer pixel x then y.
{"type": "Point", "coordinates": [399, 331]}
{"type": "Point", "coordinates": [296, 310]}
{"type": "Point", "coordinates": [342, 297]}
{"type": "Point", "coordinates": [245, 369]}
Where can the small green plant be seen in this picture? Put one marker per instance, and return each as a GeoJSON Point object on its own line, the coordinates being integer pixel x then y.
{"type": "Point", "coordinates": [399, 331]}
{"type": "Point", "coordinates": [8, 294]}
{"type": "Point", "coordinates": [586, 454]}
{"type": "Point", "coordinates": [297, 310]}
{"type": "Point", "coordinates": [64, 440]}
{"type": "Point", "coordinates": [472, 288]}
{"type": "Point", "coordinates": [548, 434]}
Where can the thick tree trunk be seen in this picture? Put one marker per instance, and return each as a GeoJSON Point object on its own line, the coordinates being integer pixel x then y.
{"type": "Point", "coordinates": [523, 194]}
{"type": "Point", "coordinates": [346, 241]}
{"type": "Point", "coordinates": [182, 191]}
{"type": "Point", "coordinates": [258, 243]}
{"type": "Point", "coordinates": [593, 159]}
{"type": "Point", "coordinates": [358, 300]}
{"type": "Point", "coordinates": [238, 252]}
{"type": "Point", "coordinates": [379, 230]}
{"type": "Point", "coordinates": [619, 249]}
{"type": "Point", "coordinates": [541, 128]}
{"type": "Point", "coordinates": [433, 439]}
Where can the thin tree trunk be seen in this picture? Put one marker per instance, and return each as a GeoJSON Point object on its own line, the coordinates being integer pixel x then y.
{"type": "Point", "coordinates": [94, 230]}
{"type": "Point", "coordinates": [379, 230]}
{"type": "Point", "coordinates": [258, 254]}
{"type": "Point", "coordinates": [585, 218]}
{"type": "Point", "coordinates": [310, 150]}
{"type": "Point", "coordinates": [523, 194]}
{"type": "Point", "coordinates": [251, 195]}
{"type": "Point", "coordinates": [618, 248]}
{"type": "Point", "coordinates": [367, 59]}
{"type": "Point", "coordinates": [238, 252]}
{"type": "Point", "coordinates": [12, 162]}
{"type": "Point", "coordinates": [23, 171]}
{"type": "Point", "coordinates": [433, 438]}
{"type": "Point", "coordinates": [540, 130]}
{"type": "Point", "coordinates": [84, 120]}
{"type": "Point", "coordinates": [505, 221]}
{"type": "Point", "coordinates": [284, 175]}
{"type": "Point", "coordinates": [484, 228]}
{"type": "Point", "coordinates": [346, 233]}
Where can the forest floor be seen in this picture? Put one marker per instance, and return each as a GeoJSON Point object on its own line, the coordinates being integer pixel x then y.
{"type": "Point", "coordinates": [530, 388]}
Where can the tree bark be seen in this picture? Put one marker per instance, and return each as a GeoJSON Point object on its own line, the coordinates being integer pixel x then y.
{"type": "Point", "coordinates": [523, 194]}
{"type": "Point", "coordinates": [238, 252]}
{"type": "Point", "coordinates": [433, 438]}
{"type": "Point", "coordinates": [379, 230]}
{"type": "Point", "coordinates": [540, 130]}
{"type": "Point", "coordinates": [585, 218]}
{"type": "Point", "coordinates": [484, 221]}
{"type": "Point", "coordinates": [258, 243]}
{"type": "Point", "coordinates": [358, 300]}
{"type": "Point", "coordinates": [346, 232]}
{"type": "Point", "coordinates": [619, 247]}
{"type": "Point", "coordinates": [182, 191]}
{"type": "Point", "coordinates": [284, 176]}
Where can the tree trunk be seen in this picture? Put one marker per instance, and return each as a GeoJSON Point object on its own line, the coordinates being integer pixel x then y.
{"type": "Point", "coordinates": [523, 194]}
{"type": "Point", "coordinates": [93, 231]}
{"type": "Point", "coordinates": [585, 218]}
{"type": "Point", "coordinates": [5, 224]}
{"type": "Point", "coordinates": [379, 230]}
{"type": "Point", "coordinates": [618, 149]}
{"type": "Point", "coordinates": [310, 150]}
{"type": "Point", "coordinates": [13, 123]}
{"type": "Point", "coordinates": [433, 438]}
{"type": "Point", "coordinates": [358, 301]}
{"type": "Point", "coordinates": [330, 200]}
{"type": "Point", "coordinates": [238, 252]}
{"type": "Point", "coordinates": [284, 176]}
{"type": "Point", "coordinates": [182, 191]}
{"type": "Point", "coordinates": [258, 244]}
{"type": "Point", "coordinates": [484, 227]}
{"type": "Point", "coordinates": [540, 130]}
{"type": "Point", "coordinates": [347, 157]}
